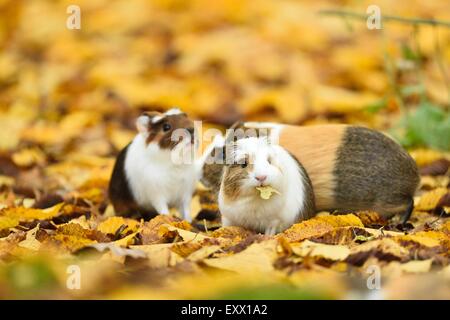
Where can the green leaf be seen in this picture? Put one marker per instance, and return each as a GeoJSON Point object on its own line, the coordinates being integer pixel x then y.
{"type": "Point", "coordinates": [376, 106]}
{"type": "Point", "coordinates": [408, 53]}
{"type": "Point", "coordinates": [428, 125]}
{"type": "Point", "coordinates": [416, 89]}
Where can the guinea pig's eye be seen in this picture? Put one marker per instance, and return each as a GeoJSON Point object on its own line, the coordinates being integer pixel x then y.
{"type": "Point", "coordinates": [269, 160]}
{"type": "Point", "coordinates": [166, 127]}
{"type": "Point", "coordinates": [244, 164]}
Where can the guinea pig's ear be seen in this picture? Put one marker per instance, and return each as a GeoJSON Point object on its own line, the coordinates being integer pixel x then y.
{"type": "Point", "coordinates": [145, 120]}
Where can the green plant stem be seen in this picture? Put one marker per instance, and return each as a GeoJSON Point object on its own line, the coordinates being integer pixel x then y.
{"type": "Point", "coordinates": [390, 68]}
{"type": "Point", "coordinates": [362, 16]}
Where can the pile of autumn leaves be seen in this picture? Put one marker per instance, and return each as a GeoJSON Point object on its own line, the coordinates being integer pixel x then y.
{"type": "Point", "coordinates": [68, 102]}
{"type": "Point", "coordinates": [170, 258]}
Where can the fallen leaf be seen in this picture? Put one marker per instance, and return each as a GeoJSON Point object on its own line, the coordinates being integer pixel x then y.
{"type": "Point", "coordinates": [30, 241]}
{"type": "Point", "coordinates": [313, 249]}
{"type": "Point", "coordinates": [112, 224]}
{"type": "Point", "coordinates": [29, 214]}
{"type": "Point", "coordinates": [258, 257]}
{"type": "Point", "coordinates": [319, 225]}
{"type": "Point", "coordinates": [159, 255]}
{"type": "Point", "coordinates": [430, 200]}
{"type": "Point", "coordinates": [417, 266]}
{"type": "Point", "coordinates": [119, 251]}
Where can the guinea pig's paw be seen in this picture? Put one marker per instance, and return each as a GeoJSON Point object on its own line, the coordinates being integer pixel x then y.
{"type": "Point", "coordinates": [272, 228]}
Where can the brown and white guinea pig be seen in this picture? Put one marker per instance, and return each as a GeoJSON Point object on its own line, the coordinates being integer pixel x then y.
{"type": "Point", "coordinates": [255, 162]}
{"type": "Point", "coordinates": [351, 168]}
{"type": "Point", "coordinates": [149, 175]}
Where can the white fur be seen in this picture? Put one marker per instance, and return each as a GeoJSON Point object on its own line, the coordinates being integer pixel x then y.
{"type": "Point", "coordinates": [155, 119]}
{"type": "Point", "coordinates": [142, 123]}
{"type": "Point", "coordinates": [172, 112]}
{"type": "Point", "coordinates": [280, 211]}
{"type": "Point", "coordinates": [275, 129]}
{"type": "Point", "coordinates": [155, 181]}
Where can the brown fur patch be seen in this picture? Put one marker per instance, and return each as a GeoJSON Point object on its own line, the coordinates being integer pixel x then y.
{"type": "Point", "coordinates": [315, 147]}
{"type": "Point", "coordinates": [158, 134]}
{"type": "Point", "coordinates": [232, 177]}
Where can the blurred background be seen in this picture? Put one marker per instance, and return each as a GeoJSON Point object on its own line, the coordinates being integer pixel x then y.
{"type": "Point", "coordinates": [69, 98]}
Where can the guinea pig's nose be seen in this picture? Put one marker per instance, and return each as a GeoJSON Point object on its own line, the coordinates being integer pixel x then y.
{"type": "Point", "coordinates": [261, 178]}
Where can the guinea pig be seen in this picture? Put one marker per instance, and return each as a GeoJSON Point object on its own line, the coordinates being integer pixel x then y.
{"type": "Point", "coordinates": [351, 168]}
{"type": "Point", "coordinates": [149, 175]}
{"type": "Point", "coordinates": [254, 163]}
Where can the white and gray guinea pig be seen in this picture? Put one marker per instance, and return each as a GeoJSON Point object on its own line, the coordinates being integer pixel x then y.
{"type": "Point", "coordinates": [325, 167]}
{"type": "Point", "coordinates": [254, 163]}
{"type": "Point", "coordinates": [149, 175]}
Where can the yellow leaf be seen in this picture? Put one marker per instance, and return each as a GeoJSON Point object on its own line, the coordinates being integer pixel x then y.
{"type": "Point", "coordinates": [159, 255]}
{"type": "Point", "coordinates": [30, 241]}
{"type": "Point", "coordinates": [28, 157]}
{"type": "Point", "coordinates": [8, 222]}
{"type": "Point", "coordinates": [425, 238]}
{"type": "Point", "coordinates": [120, 138]}
{"type": "Point", "coordinates": [184, 234]}
{"type": "Point", "coordinates": [29, 214]}
{"type": "Point", "coordinates": [427, 156]}
{"type": "Point", "coordinates": [72, 236]}
{"type": "Point", "coordinates": [384, 245]}
{"type": "Point", "coordinates": [112, 224]}
{"type": "Point", "coordinates": [72, 243]}
{"type": "Point", "coordinates": [6, 181]}
{"type": "Point", "coordinates": [320, 225]}
{"type": "Point", "coordinates": [203, 253]}
{"type": "Point", "coordinates": [341, 100]}
{"type": "Point", "coordinates": [430, 199]}
{"type": "Point", "coordinates": [258, 257]}
{"type": "Point", "coordinates": [433, 182]}
{"type": "Point", "coordinates": [417, 266]}
{"type": "Point", "coordinates": [331, 252]}
{"type": "Point", "coordinates": [128, 240]}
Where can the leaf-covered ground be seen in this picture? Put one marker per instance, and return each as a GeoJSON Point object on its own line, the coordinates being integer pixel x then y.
{"type": "Point", "coordinates": [68, 100]}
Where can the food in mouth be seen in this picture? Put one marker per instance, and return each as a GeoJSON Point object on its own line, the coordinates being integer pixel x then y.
{"type": "Point", "coordinates": [266, 192]}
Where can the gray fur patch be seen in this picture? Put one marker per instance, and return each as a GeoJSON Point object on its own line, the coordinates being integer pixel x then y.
{"type": "Point", "coordinates": [373, 172]}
